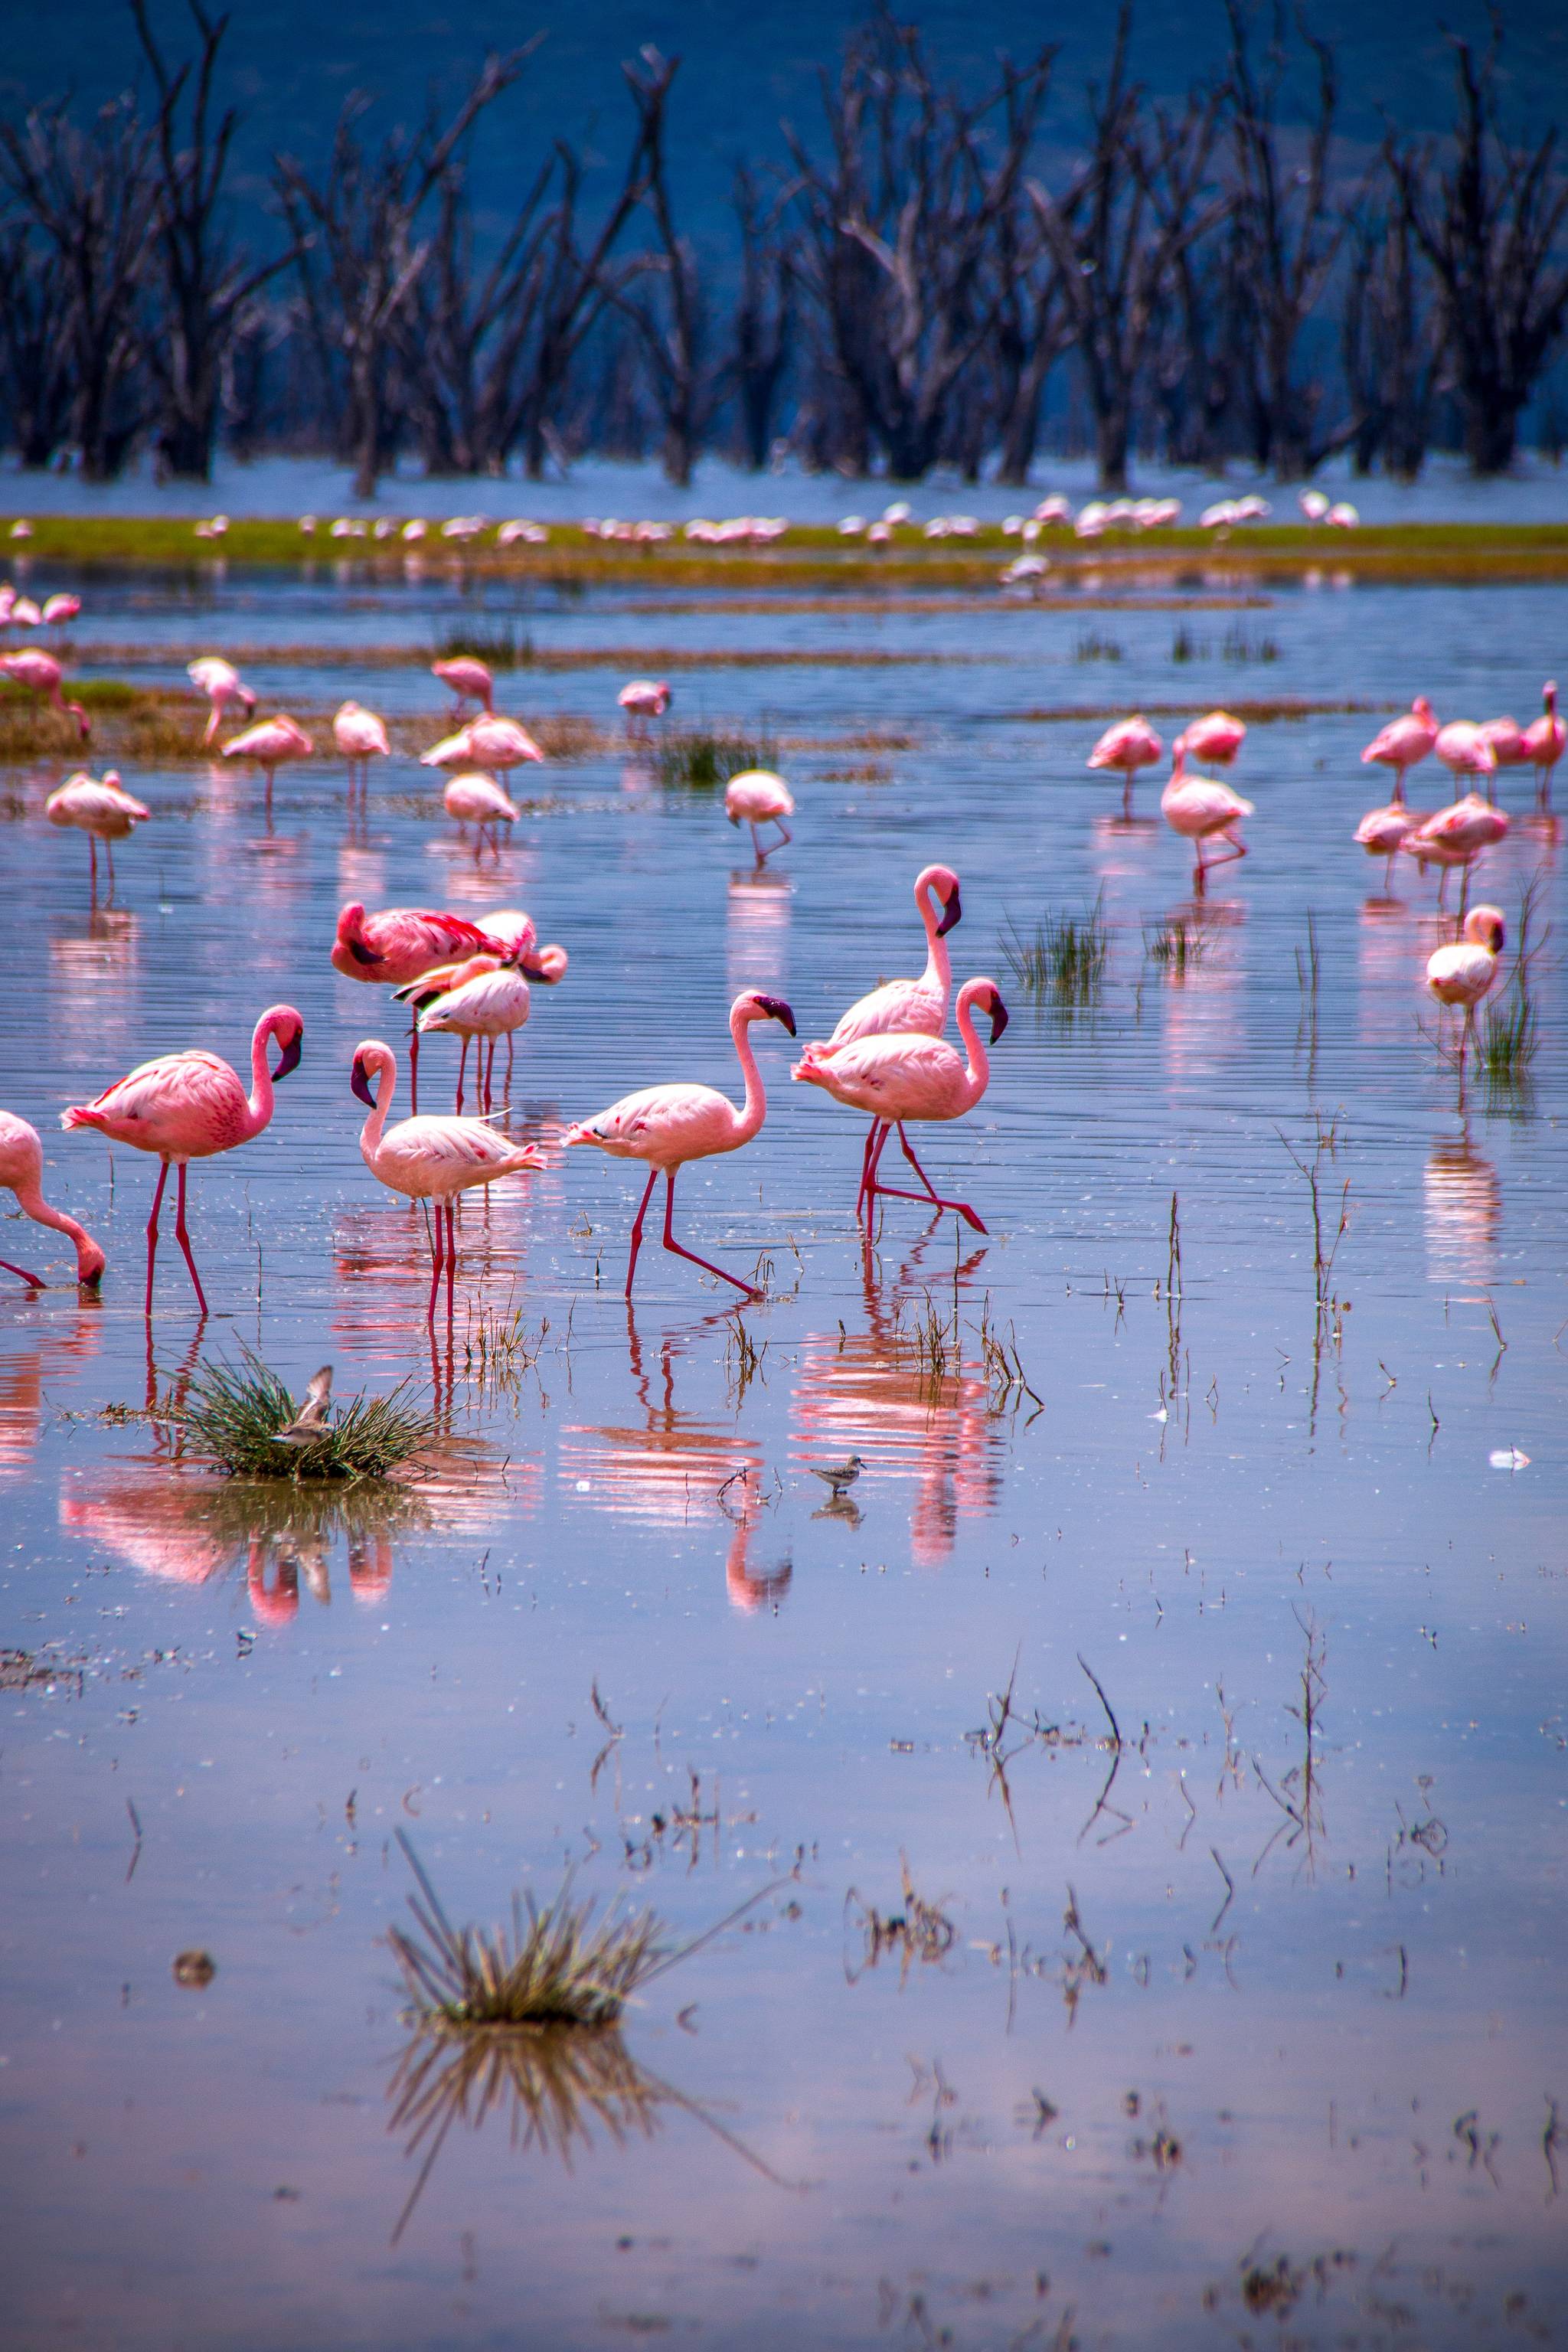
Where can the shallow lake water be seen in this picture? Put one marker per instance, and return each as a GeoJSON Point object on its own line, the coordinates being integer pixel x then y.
{"type": "Point", "coordinates": [1207, 1680]}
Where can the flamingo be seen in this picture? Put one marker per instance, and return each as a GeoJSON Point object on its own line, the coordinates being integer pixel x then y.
{"type": "Point", "coordinates": [1506, 736]}
{"type": "Point", "coordinates": [643, 699]}
{"type": "Point", "coordinates": [22, 1171]}
{"type": "Point", "coordinates": [485, 743]}
{"type": "Point", "coordinates": [519, 936]}
{"type": "Point", "coordinates": [101, 810]}
{"type": "Point", "coordinates": [270, 743]}
{"type": "Point", "coordinates": [757, 797]}
{"type": "Point", "coordinates": [480, 800]}
{"type": "Point", "coordinates": [1313, 504]}
{"type": "Point", "coordinates": [666, 1126]}
{"type": "Point", "coordinates": [1461, 974]}
{"type": "Point", "coordinates": [1216, 738]}
{"type": "Point", "coordinates": [222, 684]}
{"type": "Point", "coordinates": [1455, 836]}
{"type": "Point", "coordinates": [481, 997]}
{"type": "Point", "coordinates": [1464, 751]}
{"type": "Point", "coordinates": [1201, 808]}
{"type": "Point", "coordinates": [59, 609]}
{"type": "Point", "coordinates": [1546, 738]}
{"type": "Point", "coordinates": [469, 680]}
{"type": "Point", "coordinates": [1128, 746]}
{"type": "Point", "coordinates": [1404, 743]}
{"type": "Point", "coordinates": [25, 614]}
{"type": "Point", "coordinates": [360, 736]}
{"type": "Point", "coordinates": [906, 1075]}
{"type": "Point", "coordinates": [1381, 832]}
{"type": "Point", "coordinates": [39, 673]}
{"type": "Point", "coordinates": [430, 1159]}
{"type": "Point", "coordinates": [400, 943]}
{"type": "Point", "coordinates": [189, 1106]}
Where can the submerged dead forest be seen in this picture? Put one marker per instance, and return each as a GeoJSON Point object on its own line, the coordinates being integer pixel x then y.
{"type": "Point", "coordinates": [916, 277]}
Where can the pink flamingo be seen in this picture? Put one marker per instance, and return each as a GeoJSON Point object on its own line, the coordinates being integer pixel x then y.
{"type": "Point", "coordinates": [469, 680]}
{"type": "Point", "coordinates": [480, 800]}
{"type": "Point", "coordinates": [1381, 832]}
{"type": "Point", "coordinates": [1461, 975]}
{"type": "Point", "coordinates": [1455, 836]}
{"type": "Point", "coordinates": [756, 797]}
{"type": "Point", "coordinates": [22, 1170]}
{"type": "Point", "coordinates": [487, 742]}
{"type": "Point", "coordinates": [1128, 746]}
{"type": "Point", "coordinates": [25, 614]}
{"type": "Point", "coordinates": [39, 673]}
{"type": "Point", "coordinates": [398, 945]}
{"type": "Point", "coordinates": [1546, 739]}
{"type": "Point", "coordinates": [430, 1159]}
{"type": "Point", "coordinates": [59, 609]}
{"type": "Point", "coordinates": [1217, 737]}
{"type": "Point", "coordinates": [519, 936]}
{"type": "Point", "coordinates": [270, 743]}
{"type": "Point", "coordinates": [667, 1126]}
{"type": "Point", "coordinates": [909, 1076]}
{"type": "Point", "coordinates": [100, 810]}
{"type": "Point", "coordinates": [1464, 749]}
{"type": "Point", "coordinates": [222, 685]}
{"type": "Point", "coordinates": [189, 1106]}
{"type": "Point", "coordinates": [643, 699]}
{"type": "Point", "coordinates": [1405, 742]}
{"type": "Point", "coordinates": [1201, 809]}
{"type": "Point", "coordinates": [1506, 736]}
{"type": "Point", "coordinates": [482, 998]}
{"type": "Point", "coordinates": [360, 736]}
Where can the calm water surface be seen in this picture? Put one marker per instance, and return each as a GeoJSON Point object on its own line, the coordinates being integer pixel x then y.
{"type": "Point", "coordinates": [1257, 2036]}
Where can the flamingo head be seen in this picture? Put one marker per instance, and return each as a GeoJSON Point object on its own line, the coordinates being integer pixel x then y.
{"type": "Point", "coordinates": [89, 1262]}
{"type": "Point", "coordinates": [945, 882]}
{"type": "Point", "coordinates": [1485, 928]}
{"type": "Point", "coordinates": [755, 1006]}
{"type": "Point", "coordinates": [373, 1056]}
{"type": "Point", "coordinates": [1549, 697]}
{"type": "Point", "coordinates": [546, 965]}
{"type": "Point", "coordinates": [350, 954]}
{"type": "Point", "coordinates": [992, 1003]}
{"type": "Point", "coordinates": [1423, 708]}
{"type": "Point", "coordinates": [290, 1031]}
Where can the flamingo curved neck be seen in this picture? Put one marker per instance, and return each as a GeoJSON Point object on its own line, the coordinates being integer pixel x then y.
{"type": "Point", "coordinates": [978, 1069]}
{"type": "Point", "coordinates": [261, 1100]}
{"type": "Point", "coordinates": [32, 1203]}
{"type": "Point", "coordinates": [753, 1111]}
{"type": "Point", "coordinates": [371, 1132]}
{"type": "Point", "coordinates": [938, 974]}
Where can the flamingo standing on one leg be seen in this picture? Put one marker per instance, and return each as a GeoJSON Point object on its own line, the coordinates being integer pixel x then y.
{"type": "Point", "coordinates": [1546, 739]}
{"type": "Point", "coordinates": [189, 1106]}
{"type": "Point", "coordinates": [480, 800]}
{"type": "Point", "coordinates": [1405, 742]}
{"type": "Point", "coordinates": [360, 736]}
{"type": "Point", "coordinates": [643, 699]}
{"type": "Point", "coordinates": [428, 1158]}
{"type": "Point", "coordinates": [1125, 748]}
{"type": "Point", "coordinates": [903, 1005]}
{"type": "Point", "coordinates": [667, 1126]}
{"type": "Point", "coordinates": [222, 684]}
{"type": "Point", "coordinates": [1217, 737]}
{"type": "Point", "coordinates": [270, 743]}
{"type": "Point", "coordinates": [1200, 808]}
{"type": "Point", "coordinates": [1464, 749]}
{"type": "Point", "coordinates": [22, 1170]}
{"type": "Point", "coordinates": [101, 810]}
{"type": "Point", "coordinates": [1455, 836]}
{"type": "Point", "coordinates": [485, 743]}
{"type": "Point", "coordinates": [910, 1076]}
{"type": "Point", "coordinates": [1461, 975]}
{"type": "Point", "coordinates": [482, 998]}
{"type": "Point", "coordinates": [756, 797]}
{"type": "Point", "coordinates": [37, 672]}
{"type": "Point", "coordinates": [398, 945]}
{"type": "Point", "coordinates": [469, 680]}
{"type": "Point", "coordinates": [1381, 832]}
{"type": "Point", "coordinates": [1510, 749]}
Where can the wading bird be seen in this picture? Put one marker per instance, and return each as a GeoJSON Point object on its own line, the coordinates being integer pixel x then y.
{"type": "Point", "coordinates": [1546, 739]}
{"type": "Point", "coordinates": [1216, 737]}
{"type": "Point", "coordinates": [39, 673]}
{"type": "Point", "coordinates": [400, 944]}
{"type": "Point", "coordinates": [666, 1126]}
{"type": "Point", "coordinates": [1460, 975]}
{"type": "Point", "coordinates": [1464, 749]}
{"type": "Point", "coordinates": [757, 797]}
{"type": "Point", "coordinates": [908, 1076]}
{"type": "Point", "coordinates": [1455, 836]}
{"type": "Point", "coordinates": [271, 742]}
{"type": "Point", "coordinates": [101, 810]}
{"type": "Point", "coordinates": [487, 742]}
{"type": "Point", "coordinates": [222, 685]}
{"type": "Point", "coordinates": [1381, 832]}
{"type": "Point", "coordinates": [481, 997]}
{"type": "Point", "coordinates": [643, 699]}
{"type": "Point", "coordinates": [1404, 743]}
{"type": "Point", "coordinates": [190, 1106]}
{"type": "Point", "coordinates": [469, 680]}
{"type": "Point", "coordinates": [360, 736]}
{"type": "Point", "coordinates": [480, 800]}
{"type": "Point", "coordinates": [1200, 808]}
{"type": "Point", "coordinates": [1125, 748]}
{"type": "Point", "coordinates": [22, 1170]}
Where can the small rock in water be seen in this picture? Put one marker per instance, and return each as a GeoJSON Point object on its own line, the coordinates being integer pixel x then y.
{"type": "Point", "coordinates": [1508, 1457]}
{"type": "Point", "coordinates": [194, 1968]}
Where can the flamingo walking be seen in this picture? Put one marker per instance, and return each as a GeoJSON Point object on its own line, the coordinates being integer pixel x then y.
{"type": "Point", "coordinates": [1381, 832]}
{"type": "Point", "coordinates": [39, 673]}
{"type": "Point", "coordinates": [1405, 742]}
{"type": "Point", "coordinates": [101, 810]}
{"type": "Point", "coordinates": [190, 1106]}
{"type": "Point", "coordinates": [905, 1076]}
{"type": "Point", "coordinates": [480, 800]}
{"type": "Point", "coordinates": [666, 1126]}
{"type": "Point", "coordinates": [481, 997]}
{"type": "Point", "coordinates": [469, 680]}
{"type": "Point", "coordinates": [360, 736]}
{"type": "Point", "coordinates": [1455, 836]}
{"type": "Point", "coordinates": [399, 944]}
{"type": "Point", "coordinates": [22, 1171]}
{"type": "Point", "coordinates": [1125, 748]}
{"type": "Point", "coordinates": [1460, 975]}
{"type": "Point", "coordinates": [1216, 738]}
{"type": "Point", "coordinates": [270, 743]}
{"type": "Point", "coordinates": [222, 684]}
{"type": "Point", "coordinates": [1200, 808]}
{"type": "Point", "coordinates": [485, 742]}
{"type": "Point", "coordinates": [1546, 739]}
{"type": "Point", "coordinates": [756, 797]}
{"type": "Point", "coordinates": [1464, 749]}
{"type": "Point", "coordinates": [429, 1159]}
{"type": "Point", "coordinates": [643, 699]}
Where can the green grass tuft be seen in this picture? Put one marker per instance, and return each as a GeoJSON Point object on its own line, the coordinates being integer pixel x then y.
{"type": "Point", "coordinates": [231, 1416]}
{"type": "Point", "coordinates": [501, 648]}
{"type": "Point", "coordinates": [1176, 946]}
{"type": "Point", "coordinates": [1065, 958]}
{"type": "Point", "coordinates": [1092, 647]}
{"type": "Point", "coordinates": [706, 762]}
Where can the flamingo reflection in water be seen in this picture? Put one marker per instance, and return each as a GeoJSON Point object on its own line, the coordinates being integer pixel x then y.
{"type": "Point", "coordinates": [670, 1467]}
{"type": "Point", "coordinates": [1462, 1212]}
{"type": "Point", "coordinates": [37, 1360]}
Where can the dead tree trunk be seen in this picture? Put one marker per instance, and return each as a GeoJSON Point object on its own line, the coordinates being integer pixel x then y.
{"type": "Point", "coordinates": [764, 320]}
{"type": "Point", "coordinates": [34, 371]}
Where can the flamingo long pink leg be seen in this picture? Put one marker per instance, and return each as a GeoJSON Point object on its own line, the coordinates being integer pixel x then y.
{"type": "Point", "coordinates": [451, 1258]}
{"type": "Point", "coordinates": [509, 1054]}
{"type": "Point", "coordinates": [414, 1067]}
{"type": "Point", "coordinates": [435, 1261]}
{"type": "Point", "coordinates": [33, 1281]}
{"type": "Point", "coordinates": [489, 1074]}
{"type": "Point", "coordinates": [92, 853]}
{"type": "Point", "coordinates": [182, 1237]}
{"type": "Point", "coordinates": [636, 1226]}
{"type": "Point", "coordinates": [152, 1229]}
{"type": "Point", "coordinates": [462, 1065]}
{"type": "Point", "coordinates": [706, 1264]}
{"type": "Point", "coordinates": [872, 1132]}
{"type": "Point", "coordinates": [931, 1195]}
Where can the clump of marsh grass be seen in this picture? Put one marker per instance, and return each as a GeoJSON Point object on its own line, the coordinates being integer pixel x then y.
{"type": "Point", "coordinates": [704, 761]}
{"type": "Point", "coordinates": [1092, 647]}
{"type": "Point", "coordinates": [500, 648]}
{"type": "Point", "coordinates": [1065, 958]}
{"type": "Point", "coordinates": [1176, 946]}
{"type": "Point", "coordinates": [231, 1414]}
{"type": "Point", "coordinates": [920, 1931]}
{"type": "Point", "coordinates": [1508, 1036]}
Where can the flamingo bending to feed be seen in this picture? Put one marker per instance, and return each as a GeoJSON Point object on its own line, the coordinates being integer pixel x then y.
{"type": "Point", "coordinates": [1455, 836]}
{"type": "Point", "coordinates": [480, 800]}
{"type": "Point", "coordinates": [756, 797]}
{"type": "Point", "coordinates": [469, 680]}
{"type": "Point", "coordinates": [270, 743]}
{"type": "Point", "coordinates": [1546, 739]}
{"type": "Point", "coordinates": [222, 684]}
{"type": "Point", "coordinates": [101, 810]}
{"type": "Point", "coordinates": [487, 742]}
{"type": "Point", "coordinates": [519, 936]}
{"type": "Point", "coordinates": [1128, 746]}
{"type": "Point", "coordinates": [643, 699]}
{"type": "Point", "coordinates": [1461, 975]}
{"type": "Point", "coordinates": [1200, 808]}
{"type": "Point", "coordinates": [481, 997]}
{"type": "Point", "coordinates": [1464, 749]}
{"type": "Point", "coordinates": [667, 1126]}
{"type": "Point", "coordinates": [1405, 742]}
{"type": "Point", "coordinates": [360, 736]}
{"type": "Point", "coordinates": [22, 1170]}
{"type": "Point", "coordinates": [37, 672]}
{"type": "Point", "coordinates": [1217, 737]}
{"type": "Point", "coordinates": [185, 1107]}
{"type": "Point", "coordinates": [910, 1076]}
{"type": "Point", "coordinates": [1381, 832]}
{"type": "Point", "coordinates": [398, 945]}
{"type": "Point", "coordinates": [430, 1159]}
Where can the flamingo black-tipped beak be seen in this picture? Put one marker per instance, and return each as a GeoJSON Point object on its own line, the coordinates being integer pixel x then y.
{"type": "Point", "coordinates": [360, 1084]}
{"type": "Point", "coordinates": [777, 1010]}
{"type": "Point", "coordinates": [952, 913]}
{"type": "Point", "coordinates": [362, 955]}
{"type": "Point", "coordinates": [290, 1057]}
{"type": "Point", "coordinates": [1000, 1016]}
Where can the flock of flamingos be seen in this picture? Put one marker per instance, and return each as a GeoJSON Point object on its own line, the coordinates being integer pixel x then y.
{"type": "Point", "coordinates": [887, 1058]}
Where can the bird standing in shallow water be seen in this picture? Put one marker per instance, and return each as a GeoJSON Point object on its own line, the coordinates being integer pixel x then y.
{"type": "Point", "coordinates": [1200, 808]}
{"type": "Point", "coordinates": [222, 684]}
{"type": "Point", "coordinates": [839, 1475]}
{"type": "Point", "coordinates": [360, 736]}
{"type": "Point", "coordinates": [1125, 748]}
{"type": "Point", "coordinates": [103, 810]}
{"type": "Point", "coordinates": [757, 797]}
{"type": "Point", "coordinates": [1461, 975]}
{"type": "Point", "coordinates": [22, 1171]}
{"type": "Point", "coordinates": [1405, 742]}
{"type": "Point", "coordinates": [37, 672]}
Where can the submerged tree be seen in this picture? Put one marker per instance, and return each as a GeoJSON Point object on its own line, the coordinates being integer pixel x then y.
{"type": "Point", "coordinates": [1391, 350]}
{"type": "Point", "coordinates": [36, 381]}
{"type": "Point", "coordinates": [763, 325]}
